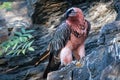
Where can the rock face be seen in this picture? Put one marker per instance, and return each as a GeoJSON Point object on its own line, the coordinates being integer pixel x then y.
{"type": "Point", "coordinates": [44, 10]}
{"type": "Point", "coordinates": [112, 72]}
{"type": "Point", "coordinates": [102, 61]}
{"type": "Point", "coordinates": [17, 16]}
{"type": "Point", "coordinates": [102, 49]}
{"type": "Point", "coordinates": [3, 30]}
{"type": "Point", "coordinates": [98, 58]}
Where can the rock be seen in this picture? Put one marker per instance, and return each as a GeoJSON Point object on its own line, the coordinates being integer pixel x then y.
{"type": "Point", "coordinates": [22, 66]}
{"type": "Point", "coordinates": [112, 72]}
{"type": "Point", "coordinates": [31, 7]}
{"type": "Point", "coordinates": [3, 30]}
{"type": "Point", "coordinates": [96, 61]}
{"type": "Point", "coordinates": [70, 72]}
{"type": "Point", "coordinates": [3, 61]}
{"type": "Point", "coordinates": [98, 57]}
{"type": "Point", "coordinates": [107, 29]}
{"type": "Point", "coordinates": [117, 8]}
{"type": "Point", "coordinates": [17, 17]}
{"type": "Point", "coordinates": [111, 27]}
{"type": "Point", "coordinates": [23, 73]}
{"type": "Point", "coordinates": [44, 10]}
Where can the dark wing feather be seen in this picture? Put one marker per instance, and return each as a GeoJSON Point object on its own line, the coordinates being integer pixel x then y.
{"type": "Point", "coordinates": [89, 27]}
{"type": "Point", "coordinates": [59, 39]}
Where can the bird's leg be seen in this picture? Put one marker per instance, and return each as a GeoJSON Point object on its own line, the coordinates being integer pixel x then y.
{"type": "Point", "coordinates": [66, 56]}
{"type": "Point", "coordinates": [81, 54]}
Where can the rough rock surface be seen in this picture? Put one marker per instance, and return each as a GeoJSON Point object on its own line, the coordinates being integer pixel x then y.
{"type": "Point", "coordinates": [3, 30]}
{"type": "Point", "coordinates": [103, 59]}
{"type": "Point", "coordinates": [17, 16]}
{"type": "Point", "coordinates": [101, 49]}
{"type": "Point", "coordinates": [98, 58]}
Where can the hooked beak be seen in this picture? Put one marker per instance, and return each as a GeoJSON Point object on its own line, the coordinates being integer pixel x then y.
{"type": "Point", "coordinates": [70, 13]}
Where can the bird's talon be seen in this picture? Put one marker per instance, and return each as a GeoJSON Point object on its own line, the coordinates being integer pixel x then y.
{"type": "Point", "coordinates": [78, 64]}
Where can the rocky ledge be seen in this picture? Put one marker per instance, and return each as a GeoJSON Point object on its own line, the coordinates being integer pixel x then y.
{"type": "Point", "coordinates": [102, 61]}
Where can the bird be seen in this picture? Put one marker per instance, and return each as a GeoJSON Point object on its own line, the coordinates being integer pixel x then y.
{"type": "Point", "coordinates": [68, 40]}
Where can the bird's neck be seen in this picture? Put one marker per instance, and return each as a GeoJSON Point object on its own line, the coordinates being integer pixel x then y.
{"type": "Point", "coordinates": [75, 23]}
{"type": "Point", "coordinates": [73, 20]}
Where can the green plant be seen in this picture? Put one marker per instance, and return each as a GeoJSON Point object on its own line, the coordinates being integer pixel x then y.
{"type": "Point", "coordinates": [6, 5]}
{"type": "Point", "coordinates": [19, 43]}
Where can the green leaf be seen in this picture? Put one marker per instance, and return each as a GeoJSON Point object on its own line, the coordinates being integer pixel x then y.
{"type": "Point", "coordinates": [14, 46]}
{"type": "Point", "coordinates": [23, 51]}
{"type": "Point", "coordinates": [23, 30]}
{"type": "Point", "coordinates": [18, 52]}
{"type": "Point", "coordinates": [25, 45]}
{"type": "Point", "coordinates": [29, 31]}
{"type": "Point", "coordinates": [30, 43]}
{"type": "Point", "coordinates": [13, 38]}
{"type": "Point", "coordinates": [28, 35]}
{"type": "Point", "coordinates": [10, 52]}
{"type": "Point", "coordinates": [6, 5]}
{"type": "Point", "coordinates": [18, 43]}
{"type": "Point", "coordinates": [4, 44]}
{"type": "Point", "coordinates": [15, 52]}
{"type": "Point", "coordinates": [21, 39]}
{"type": "Point", "coordinates": [31, 49]}
{"type": "Point", "coordinates": [7, 48]}
{"type": "Point", "coordinates": [18, 33]}
{"type": "Point", "coordinates": [11, 43]}
{"type": "Point", "coordinates": [19, 46]}
{"type": "Point", "coordinates": [25, 39]}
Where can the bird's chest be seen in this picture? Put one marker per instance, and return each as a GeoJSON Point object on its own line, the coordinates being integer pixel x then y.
{"type": "Point", "coordinates": [78, 30]}
{"type": "Point", "coordinates": [77, 37]}
{"type": "Point", "coordinates": [75, 41]}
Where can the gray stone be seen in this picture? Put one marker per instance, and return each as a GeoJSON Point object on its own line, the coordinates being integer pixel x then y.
{"type": "Point", "coordinates": [17, 17]}
{"type": "Point", "coordinates": [3, 30]}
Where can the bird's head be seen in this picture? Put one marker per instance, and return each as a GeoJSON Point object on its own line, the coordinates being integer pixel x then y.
{"type": "Point", "coordinates": [74, 13]}
{"type": "Point", "coordinates": [75, 16]}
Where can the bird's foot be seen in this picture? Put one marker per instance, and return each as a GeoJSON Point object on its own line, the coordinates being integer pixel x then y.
{"type": "Point", "coordinates": [80, 63]}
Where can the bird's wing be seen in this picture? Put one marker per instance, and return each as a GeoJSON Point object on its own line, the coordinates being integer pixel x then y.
{"type": "Point", "coordinates": [89, 27]}
{"type": "Point", "coordinates": [59, 39]}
